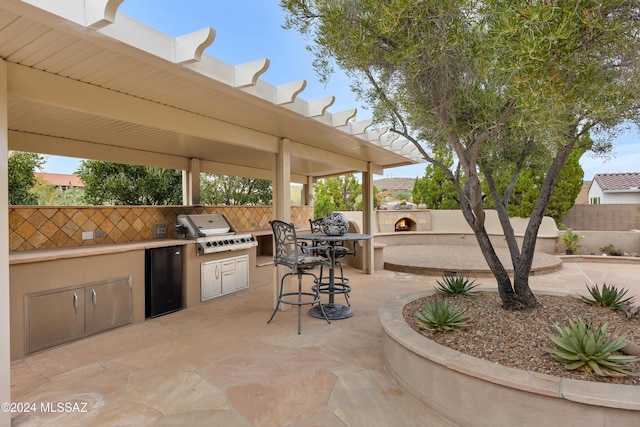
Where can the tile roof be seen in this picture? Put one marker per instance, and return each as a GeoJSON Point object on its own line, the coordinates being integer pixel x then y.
{"type": "Point", "coordinates": [60, 180]}
{"type": "Point", "coordinates": [618, 181]}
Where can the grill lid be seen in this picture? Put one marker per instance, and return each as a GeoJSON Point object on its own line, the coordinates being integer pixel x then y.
{"type": "Point", "coordinates": [204, 225]}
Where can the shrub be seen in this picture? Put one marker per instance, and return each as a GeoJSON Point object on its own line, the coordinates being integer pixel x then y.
{"type": "Point", "coordinates": [442, 316]}
{"type": "Point", "coordinates": [456, 285]}
{"type": "Point", "coordinates": [610, 296]}
{"type": "Point", "coordinates": [587, 347]}
{"type": "Point", "coordinates": [611, 250]}
{"type": "Point", "coordinates": [571, 241]}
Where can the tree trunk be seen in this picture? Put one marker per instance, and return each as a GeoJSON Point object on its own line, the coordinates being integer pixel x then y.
{"type": "Point", "coordinates": [510, 299]}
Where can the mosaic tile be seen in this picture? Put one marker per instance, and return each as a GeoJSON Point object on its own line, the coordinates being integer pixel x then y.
{"type": "Point", "coordinates": [29, 228]}
{"type": "Point", "coordinates": [15, 241]}
{"type": "Point", "coordinates": [60, 218]}
{"type": "Point", "coordinates": [26, 230]}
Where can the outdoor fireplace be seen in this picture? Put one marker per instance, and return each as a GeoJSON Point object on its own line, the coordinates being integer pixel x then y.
{"type": "Point", "coordinates": [392, 221]}
{"type": "Point", "coordinates": [405, 224]}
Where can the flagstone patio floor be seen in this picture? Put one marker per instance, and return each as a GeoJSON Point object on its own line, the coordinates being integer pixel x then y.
{"type": "Point", "coordinates": [221, 364]}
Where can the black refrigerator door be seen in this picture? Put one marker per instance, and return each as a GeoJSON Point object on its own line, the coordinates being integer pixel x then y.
{"type": "Point", "coordinates": [163, 280]}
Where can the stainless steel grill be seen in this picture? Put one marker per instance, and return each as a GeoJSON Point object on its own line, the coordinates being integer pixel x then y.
{"type": "Point", "coordinates": [212, 233]}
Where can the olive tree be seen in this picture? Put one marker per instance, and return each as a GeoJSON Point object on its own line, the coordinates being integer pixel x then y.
{"type": "Point", "coordinates": [501, 83]}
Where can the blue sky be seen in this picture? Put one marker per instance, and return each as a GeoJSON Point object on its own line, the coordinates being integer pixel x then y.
{"type": "Point", "coordinates": [247, 30]}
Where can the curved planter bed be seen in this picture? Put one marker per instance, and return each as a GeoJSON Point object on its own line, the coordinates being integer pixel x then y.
{"type": "Point", "coordinates": [468, 391]}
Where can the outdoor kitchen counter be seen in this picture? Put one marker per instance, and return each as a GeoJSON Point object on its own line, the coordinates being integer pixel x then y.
{"type": "Point", "coordinates": [39, 255]}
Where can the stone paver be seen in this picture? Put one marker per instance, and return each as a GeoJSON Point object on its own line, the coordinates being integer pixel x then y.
{"type": "Point", "coordinates": [222, 364]}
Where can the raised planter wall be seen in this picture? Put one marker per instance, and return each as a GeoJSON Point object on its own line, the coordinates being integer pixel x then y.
{"type": "Point", "coordinates": [468, 391]}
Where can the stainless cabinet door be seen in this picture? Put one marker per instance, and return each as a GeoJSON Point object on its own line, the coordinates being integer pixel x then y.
{"type": "Point", "coordinates": [108, 305]}
{"type": "Point", "coordinates": [210, 279]}
{"type": "Point", "coordinates": [54, 318]}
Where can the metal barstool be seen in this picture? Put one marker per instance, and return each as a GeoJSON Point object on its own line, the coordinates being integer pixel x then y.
{"type": "Point", "coordinates": [300, 260]}
{"type": "Point", "coordinates": [341, 283]}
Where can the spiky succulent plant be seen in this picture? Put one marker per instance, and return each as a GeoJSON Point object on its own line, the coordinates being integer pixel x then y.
{"type": "Point", "coordinates": [584, 346]}
{"type": "Point", "coordinates": [609, 296]}
{"type": "Point", "coordinates": [456, 285]}
{"type": "Point", "coordinates": [439, 315]}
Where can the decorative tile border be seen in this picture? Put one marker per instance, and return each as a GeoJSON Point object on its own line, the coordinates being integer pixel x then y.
{"type": "Point", "coordinates": [35, 227]}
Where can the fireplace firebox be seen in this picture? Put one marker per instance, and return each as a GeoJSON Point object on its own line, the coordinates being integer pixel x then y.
{"type": "Point", "coordinates": [405, 224]}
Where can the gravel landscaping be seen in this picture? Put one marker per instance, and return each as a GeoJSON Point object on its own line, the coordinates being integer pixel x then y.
{"type": "Point", "coordinates": [519, 339]}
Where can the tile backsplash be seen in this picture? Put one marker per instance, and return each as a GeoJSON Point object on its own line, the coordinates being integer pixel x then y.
{"type": "Point", "coordinates": [44, 227]}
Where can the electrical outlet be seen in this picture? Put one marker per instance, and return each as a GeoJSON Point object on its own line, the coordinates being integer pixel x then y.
{"type": "Point", "coordinates": [160, 230]}
{"type": "Point", "coordinates": [99, 234]}
{"type": "Point", "coordinates": [87, 235]}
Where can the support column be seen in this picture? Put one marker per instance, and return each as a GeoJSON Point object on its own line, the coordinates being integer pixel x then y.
{"type": "Point", "coordinates": [308, 191]}
{"type": "Point", "coordinates": [282, 206]}
{"type": "Point", "coordinates": [191, 184]}
{"type": "Point", "coordinates": [5, 330]}
{"type": "Point", "coordinates": [367, 219]}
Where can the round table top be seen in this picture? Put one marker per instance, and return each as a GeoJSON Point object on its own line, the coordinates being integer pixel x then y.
{"type": "Point", "coordinates": [338, 238]}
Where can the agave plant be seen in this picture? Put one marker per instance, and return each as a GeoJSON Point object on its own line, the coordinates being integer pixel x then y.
{"type": "Point", "coordinates": [456, 285]}
{"type": "Point", "coordinates": [442, 316]}
{"type": "Point", "coordinates": [584, 346]}
{"type": "Point", "coordinates": [610, 296]}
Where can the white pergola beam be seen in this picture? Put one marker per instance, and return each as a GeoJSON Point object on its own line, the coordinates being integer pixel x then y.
{"type": "Point", "coordinates": [190, 47]}
{"type": "Point", "coordinates": [317, 107]}
{"type": "Point", "coordinates": [70, 94]}
{"type": "Point", "coordinates": [288, 92]}
{"type": "Point", "coordinates": [22, 141]}
{"type": "Point", "coordinates": [248, 74]}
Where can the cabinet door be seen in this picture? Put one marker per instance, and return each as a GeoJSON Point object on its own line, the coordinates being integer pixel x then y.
{"type": "Point", "coordinates": [54, 318]}
{"type": "Point", "coordinates": [242, 272]}
{"type": "Point", "coordinates": [211, 279]}
{"type": "Point", "coordinates": [228, 275]}
{"type": "Point", "coordinates": [108, 305]}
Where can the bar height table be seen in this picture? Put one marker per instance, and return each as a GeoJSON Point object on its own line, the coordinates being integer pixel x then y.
{"type": "Point", "coordinates": [333, 310]}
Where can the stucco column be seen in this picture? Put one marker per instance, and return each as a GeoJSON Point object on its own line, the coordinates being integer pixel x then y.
{"type": "Point", "coordinates": [308, 192]}
{"type": "Point", "coordinates": [367, 219]}
{"type": "Point", "coordinates": [282, 206]}
{"type": "Point", "coordinates": [5, 338]}
{"type": "Point", "coordinates": [191, 184]}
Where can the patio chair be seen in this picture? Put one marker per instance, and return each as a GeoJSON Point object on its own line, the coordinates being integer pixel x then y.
{"type": "Point", "coordinates": [300, 259]}
{"type": "Point", "coordinates": [341, 283]}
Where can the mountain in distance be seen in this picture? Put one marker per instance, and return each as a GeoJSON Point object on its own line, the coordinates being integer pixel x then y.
{"type": "Point", "coordinates": [394, 184]}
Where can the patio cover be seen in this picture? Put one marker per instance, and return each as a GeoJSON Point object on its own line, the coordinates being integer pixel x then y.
{"type": "Point", "coordinates": [85, 81]}
{"type": "Point", "coordinates": [79, 79]}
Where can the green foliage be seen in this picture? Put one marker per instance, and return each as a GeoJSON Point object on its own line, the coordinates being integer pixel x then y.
{"type": "Point", "coordinates": [584, 346]}
{"type": "Point", "coordinates": [571, 241]}
{"type": "Point", "coordinates": [609, 296]}
{"type": "Point", "coordinates": [442, 316]}
{"type": "Point", "coordinates": [121, 184]}
{"type": "Point", "coordinates": [435, 189]}
{"type": "Point", "coordinates": [342, 193]}
{"type": "Point", "coordinates": [530, 179]}
{"type": "Point", "coordinates": [456, 285]}
{"type": "Point", "coordinates": [235, 190]}
{"type": "Point", "coordinates": [611, 250]}
{"type": "Point", "coordinates": [507, 86]}
{"type": "Point", "coordinates": [51, 195]}
{"type": "Point", "coordinates": [21, 173]}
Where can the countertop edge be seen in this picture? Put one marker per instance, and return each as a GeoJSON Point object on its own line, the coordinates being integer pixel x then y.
{"type": "Point", "coordinates": [26, 257]}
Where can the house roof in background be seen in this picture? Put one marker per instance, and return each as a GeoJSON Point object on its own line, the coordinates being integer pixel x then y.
{"type": "Point", "coordinates": [618, 181]}
{"type": "Point", "coordinates": [583, 196]}
{"type": "Point", "coordinates": [60, 179]}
